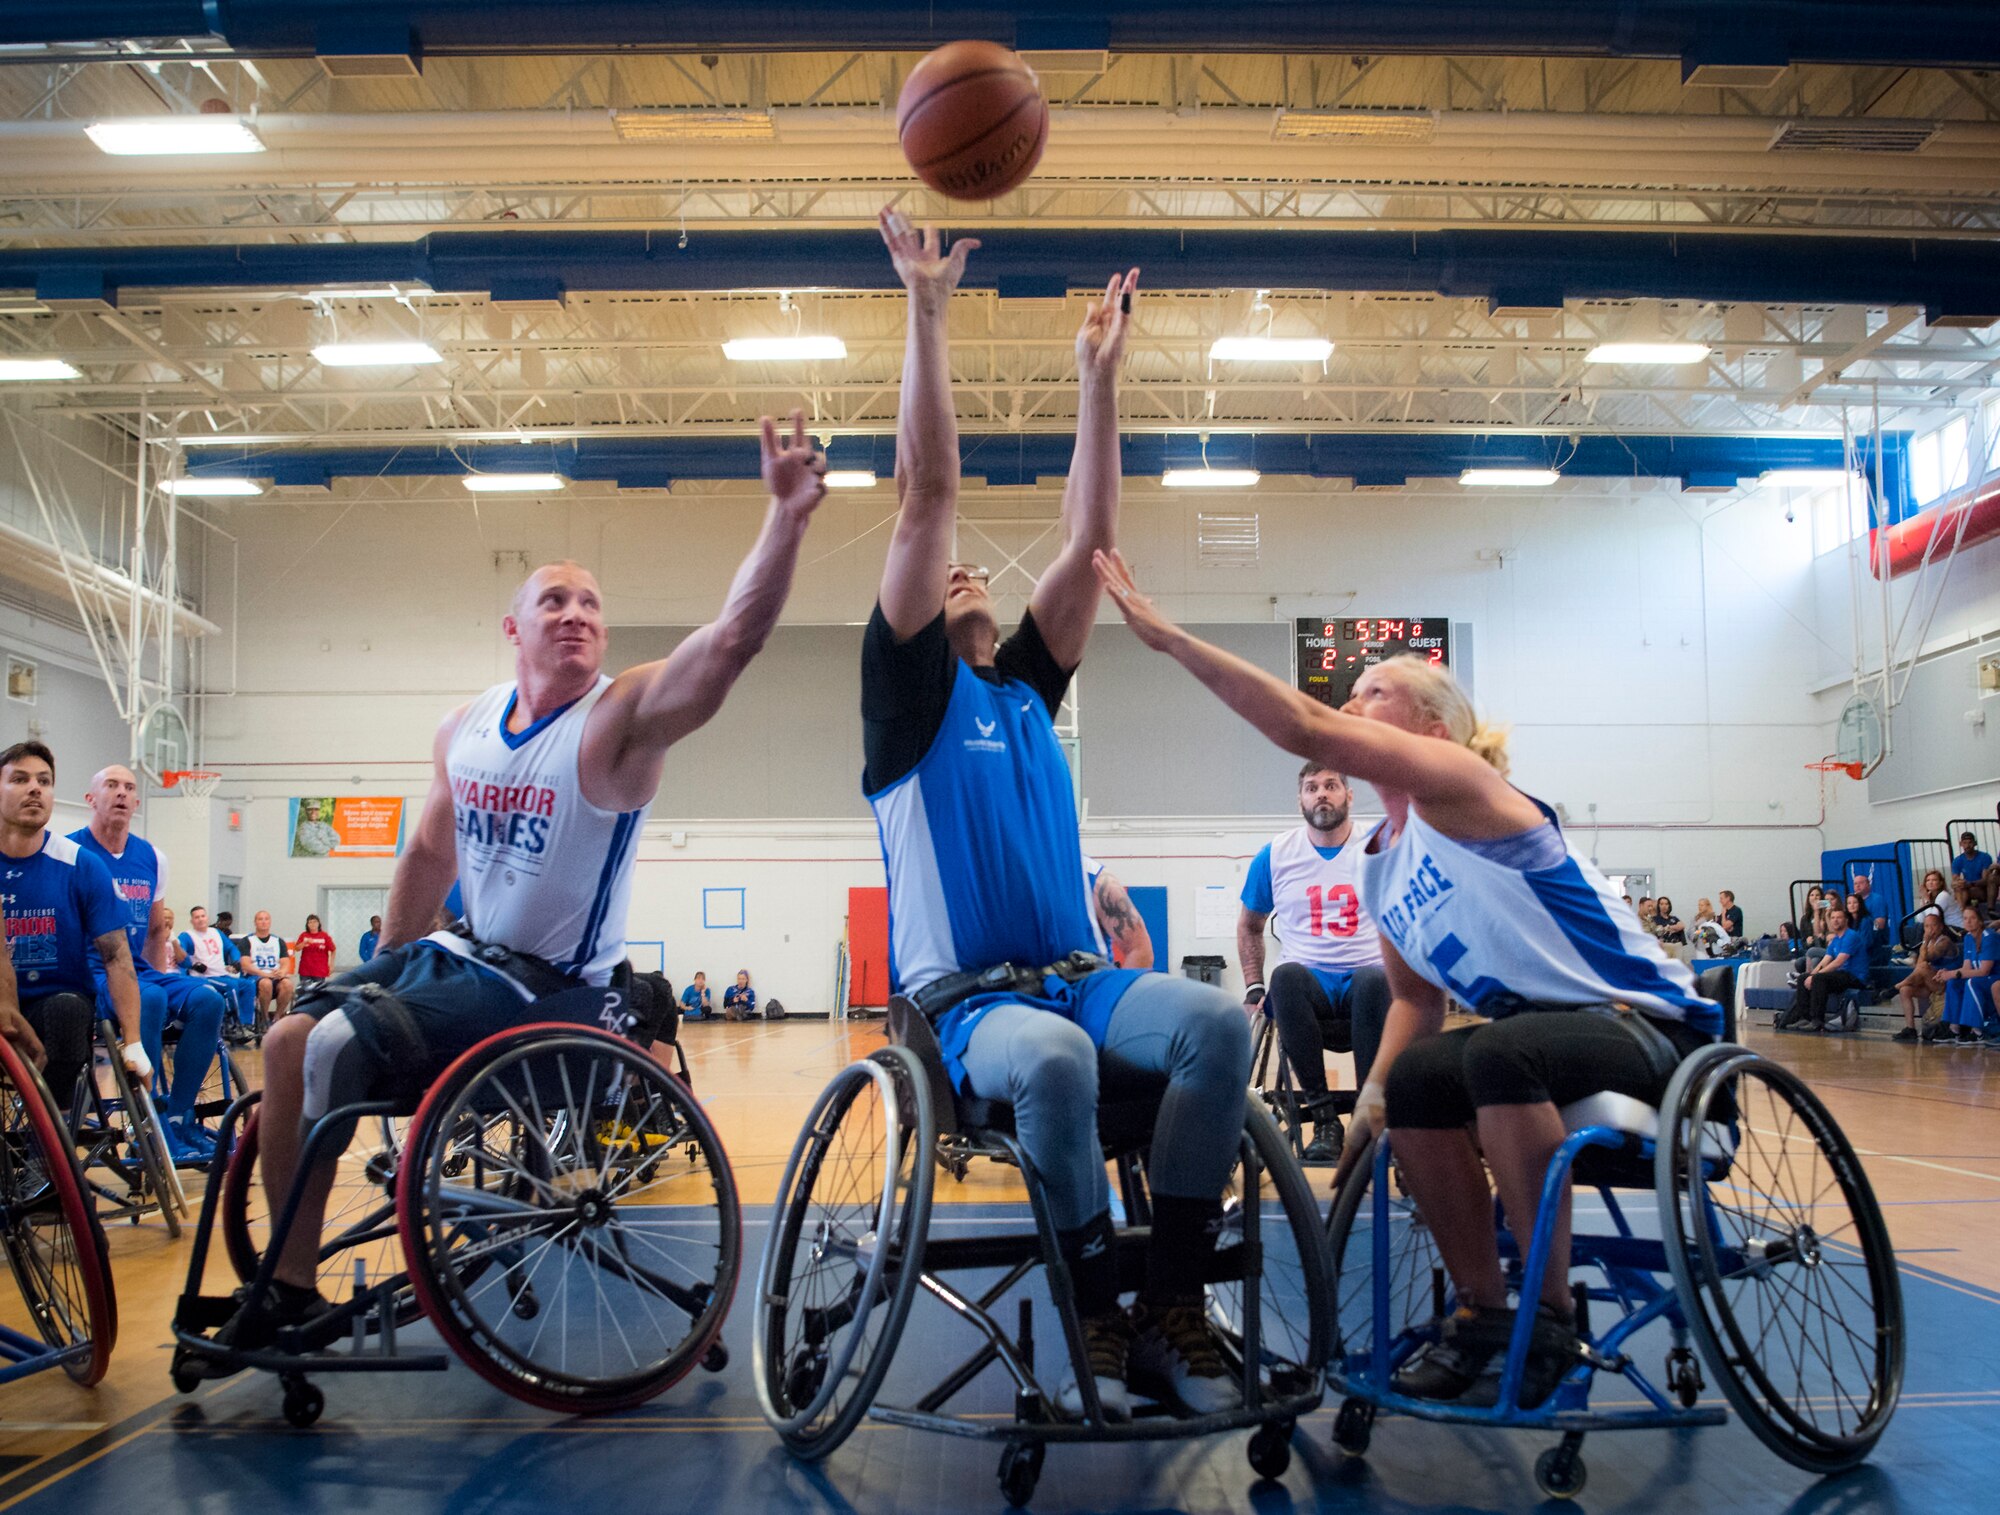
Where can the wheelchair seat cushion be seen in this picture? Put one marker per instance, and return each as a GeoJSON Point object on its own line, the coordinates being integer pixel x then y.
{"type": "Point", "coordinates": [1634, 1117]}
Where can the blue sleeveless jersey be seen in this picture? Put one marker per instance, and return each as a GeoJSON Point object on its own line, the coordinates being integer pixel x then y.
{"type": "Point", "coordinates": [980, 844]}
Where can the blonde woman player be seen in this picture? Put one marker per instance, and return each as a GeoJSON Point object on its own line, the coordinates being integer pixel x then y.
{"type": "Point", "coordinates": [1476, 895]}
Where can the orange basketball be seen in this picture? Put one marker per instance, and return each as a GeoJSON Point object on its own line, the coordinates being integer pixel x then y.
{"type": "Point", "coordinates": [972, 120]}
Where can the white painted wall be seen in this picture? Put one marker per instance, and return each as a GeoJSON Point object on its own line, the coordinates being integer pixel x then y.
{"type": "Point", "coordinates": [1654, 653]}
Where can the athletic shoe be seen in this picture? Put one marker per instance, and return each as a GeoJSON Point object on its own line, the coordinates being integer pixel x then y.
{"type": "Point", "coordinates": [1107, 1342]}
{"type": "Point", "coordinates": [188, 1146]}
{"type": "Point", "coordinates": [283, 1307]}
{"type": "Point", "coordinates": [1324, 1149]}
{"type": "Point", "coordinates": [1450, 1365]}
{"type": "Point", "coordinates": [1553, 1349]}
{"type": "Point", "coordinates": [1934, 1031]}
{"type": "Point", "coordinates": [1907, 1034]}
{"type": "Point", "coordinates": [1178, 1346]}
{"type": "Point", "coordinates": [1966, 1035]}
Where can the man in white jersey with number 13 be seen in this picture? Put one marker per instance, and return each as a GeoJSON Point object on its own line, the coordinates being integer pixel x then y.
{"type": "Point", "coordinates": [539, 790]}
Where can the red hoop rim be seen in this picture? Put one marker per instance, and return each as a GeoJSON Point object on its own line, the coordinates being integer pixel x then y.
{"type": "Point", "coordinates": [1852, 770]}
{"type": "Point", "coordinates": [170, 778]}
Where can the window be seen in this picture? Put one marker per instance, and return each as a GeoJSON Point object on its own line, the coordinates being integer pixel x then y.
{"type": "Point", "coordinates": [1940, 460]}
{"type": "Point", "coordinates": [1836, 519]}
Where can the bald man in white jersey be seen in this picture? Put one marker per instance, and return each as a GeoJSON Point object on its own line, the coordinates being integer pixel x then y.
{"type": "Point", "coordinates": [538, 792]}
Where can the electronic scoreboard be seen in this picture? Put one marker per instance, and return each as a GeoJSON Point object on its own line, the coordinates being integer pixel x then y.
{"type": "Point", "coordinates": [1330, 653]}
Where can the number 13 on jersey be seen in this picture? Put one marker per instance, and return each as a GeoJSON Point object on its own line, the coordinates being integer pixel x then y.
{"type": "Point", "coordinates": [1335, 911]}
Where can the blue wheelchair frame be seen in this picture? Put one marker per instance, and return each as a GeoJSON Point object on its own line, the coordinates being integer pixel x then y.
{"type": "Point", "coordinates": [1631, 1266]}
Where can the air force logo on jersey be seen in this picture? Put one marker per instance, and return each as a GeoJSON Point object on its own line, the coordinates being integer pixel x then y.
{"type": "Point", "coordinates": [1427, 886]}
{"type": "Point", "coordinates": [985, 741]}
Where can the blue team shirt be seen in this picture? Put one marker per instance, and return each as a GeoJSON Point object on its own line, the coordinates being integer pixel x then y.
{"type": "Point", "coordinates": [746, 998]}
{"type": "Point", "coordinates": [1971, 869]}
{"type": "Point", "coordinates": [1854, 942]}
{"type": "Point", "coordinates": [1257, 895]}
{"type": "Point", "coordinates": [58, 903]}
{"type": "Point", "coordinates": [1985, 950]}
{"type": "Point", "coordinates": [368, 941]}
{"type": "Point", "coordinates": [135, 880]}
{"type": "Point", "coordinates": [691, 999]}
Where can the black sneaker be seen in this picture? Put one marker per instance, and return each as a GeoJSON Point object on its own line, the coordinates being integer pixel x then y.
{"type": "Point", "coordinates": [1907, 1034]}
{"type": "Point", "coordinates": [1323, 1151]}
{"type": "Point", "coordinates": [1966, 1036]}
{"type": "Point", "coordinates": [1934, 1031]}
{"type": "Point", "coordinates": [1553, 1349]}
{"type": "Point", "coordinates": [283, 1307]}
{"type": "Point", "coordinates": [1452, 1364]}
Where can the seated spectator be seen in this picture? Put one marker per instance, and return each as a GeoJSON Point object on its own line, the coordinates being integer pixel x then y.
{"type": "Point", "coordinates": [1831, 975]}
{"type": "Point", "coordinates": [1666, 925]}
{"type": "Point", "coordinates": [697, 1002]}
{"type": "Point", "coordinates": [1935, 953]}
{"type": "Point", "coordinates": [1968, 988]}
{"type": "Point", "coordinates": [1976, 869]}
{"type": "Point", "coordinates": [1812, 924]}
{"type": "Point", "coordinates": [225, 922]}
{"type": "Point", "coordinates": [739, 1000]}
{"type": "Point", "coordinates": [1704, 932]}
{"type": "Point", "coordinates": [1860, 917]}
{"type": "Point", "coordinates": [1790, 942]}
{"type": "Point", "coordinates": [208, 952]}
{"type": "Point", "coordinates": [1731, 915]}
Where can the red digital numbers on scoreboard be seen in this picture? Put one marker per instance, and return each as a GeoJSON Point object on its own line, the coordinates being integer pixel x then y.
{"type": "Point", "coordinates": [1330, 656]}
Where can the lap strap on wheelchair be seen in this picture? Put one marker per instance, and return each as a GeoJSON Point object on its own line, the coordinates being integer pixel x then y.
{"type": "Point", "coordinates": [1662, 1056]}
{"type": "Point", "coordinates": [941, 994]}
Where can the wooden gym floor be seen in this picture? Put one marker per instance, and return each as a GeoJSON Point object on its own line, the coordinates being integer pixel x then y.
{"type": "Point", "coordinates": [1927, 1121]}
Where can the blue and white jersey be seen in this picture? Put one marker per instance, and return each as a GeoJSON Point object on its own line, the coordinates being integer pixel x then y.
{"type": "Point", "coordinates": [1499, 938]}
{"type": "Point", "coordinates": [541, 870]}
{"type": "Point", "coordinates": [138, 878]}
{"type": "Point", "coordinates": [1313, 895]}
{"type": "Point", "coordinates": [1092, 871]}
{"type": "Point", "coordinates": [57, 902]}
{"type": "Point", "coordinates": [980, 842]}
{"type": "Point", "coordinates": [215, 952]}
{"type": "Point", "coordinates": [266, 952]}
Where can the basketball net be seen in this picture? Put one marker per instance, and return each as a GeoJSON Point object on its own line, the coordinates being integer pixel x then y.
{"type": "Point", "coordinates": [195, 783]}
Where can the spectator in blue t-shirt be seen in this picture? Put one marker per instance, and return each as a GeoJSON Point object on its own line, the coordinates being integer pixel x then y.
{"type": "Point", "coordinates": [739, 1000]}
{"type": "Point", "coordinates": [697, 1002]}
{"type": "Point", "coordinates": [371, 938]}
{"type": "Point", "coordinates": [1846, 959]}
{"type": "Point", "coordinates": [1968, 988]}
{"type": "Point", "coordinates": [1976, 868]}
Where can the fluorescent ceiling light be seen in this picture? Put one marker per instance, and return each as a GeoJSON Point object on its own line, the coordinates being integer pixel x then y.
{"type": "Point", "coordinates": [214, 489]}
{"type": "Point", "coordinates": [1271, 349]}
{"type": "Point", "coordinates": [1390, 125]}
{"type": "Point", "coordinates": [850, 478]}
{"type": "Point", "coordinates": [1647, 352]}
{"type": "Point", "coordinates": [385, 292]}
{"type": "Point", "coordinates": [26, 370]}
{"type": "Point", "coordinates": [1210, 478]}
{"type": "Point", "coordinates": [1804, 476]}
{"type": "Point", "coordinates": [783, 349]}
{"type": "Point", "coordinates": [512, 483]}
{"type": "Point", "coordinates": [375, 354]}
{"type": "Point", "coordinates": [1508, 478]}
{"type": "Point", "coordinates": [694, 125]}
{"type": "Point", "coordinates": [166, 136]}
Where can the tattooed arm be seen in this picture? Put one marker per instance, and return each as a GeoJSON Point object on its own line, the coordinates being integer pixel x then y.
{"type": "Point", "coordinates": [1119, 919]}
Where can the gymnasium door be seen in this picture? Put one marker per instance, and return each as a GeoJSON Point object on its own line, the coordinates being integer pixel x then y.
{"type": "Point", "coordinates": [867, 948]}
{"type": "Point", "coordinates": [1150, 900]}
{"type": "Point", "coordinates": [345, 914]}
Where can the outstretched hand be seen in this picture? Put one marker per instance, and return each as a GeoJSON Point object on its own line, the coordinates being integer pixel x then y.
{"type": "Point", "coordinates": [1100, 341]}
{"type": "Point", "coordinates": [794, 467]}
{"type": "Point", "coordinates": [1140, 613]}
{"type": "Point", "coordinates": [922, 263]}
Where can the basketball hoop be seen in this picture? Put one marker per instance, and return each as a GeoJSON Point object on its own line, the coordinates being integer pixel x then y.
{"type": "Point", "coordinates": [1852, 770]}
{"type": "Point", "coordinates": [195, 783]}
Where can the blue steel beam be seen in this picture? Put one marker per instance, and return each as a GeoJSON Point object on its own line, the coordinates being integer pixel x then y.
{"type": "Point", "coordinates": [1912, 33]}
{"type": "Point", "coordinates": [1017, 458]}
{"type": "Point", "coordinates": [1505, 267]}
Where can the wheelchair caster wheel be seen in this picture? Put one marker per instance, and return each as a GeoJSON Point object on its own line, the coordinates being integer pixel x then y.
{"type": "Point", "coordinates": [1684, 1379]}
{"type": "Point", "coordinates": [186, 1371]}
{"type": "Point", "coordinates": [527, 1307]}
{"type": "Point", "coordinates": [1271, 1450]}
{"type": "Point", "coordinates": [304, 1404]}
{"type": "Point", "coordinates": [1559, 1473]}
{"type": "Point", "coordinates": [716, 1358]}
{"type": "Point", "coordinates": [1353, 1427]}
{"type": "Point", "coordinates": [1020, 1471]}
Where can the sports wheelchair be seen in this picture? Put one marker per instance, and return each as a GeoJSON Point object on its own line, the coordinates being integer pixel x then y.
{"type": "Point", "coordinates": [851, 1244]}
{"type": "Point", "coordinates": [120, 1141]}
{"type": "Point", "coordinates": [1766, 1247]}
{"type": "Point", "coordinates": [1291, 1107]}
{"type": "Point", "coordinates": [534, 1206]}
{"type": "Point", "coordinates": [54, 1244]}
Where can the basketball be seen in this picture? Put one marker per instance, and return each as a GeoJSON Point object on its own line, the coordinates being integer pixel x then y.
{"type": "Point", "coordinates": [972, 120]}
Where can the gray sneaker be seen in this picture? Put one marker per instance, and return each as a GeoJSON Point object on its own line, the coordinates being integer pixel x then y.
{"type": "Point", "coordinates": [1177, 1345]}
{"type": "Point", "coordinates": [1107, 1341]}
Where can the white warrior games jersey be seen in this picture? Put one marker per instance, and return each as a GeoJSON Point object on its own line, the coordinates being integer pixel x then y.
{"type": "Point", "coordinates": [1313, 894]}
{"type": "Point", "coordinates": [266, 952]}
{"type": "Point", "coordinates": [1498, 938]}
{"type": "Point", "coordinates": [541, 870]}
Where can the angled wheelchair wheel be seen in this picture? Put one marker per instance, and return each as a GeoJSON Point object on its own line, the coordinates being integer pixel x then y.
{"type": "Point", "coordinates": [556, 1234]}
{"type": "Point", "coordinates": [845, 1251]}
{"type": "Point", "coordinates": [1412, 1281]}
{"type": "Point", "coordinates": [1294, 1316]}
{"type": "Point", "coordinates": [53, 1243]}
{"type": "Point", "coordinates": [226, 1082]}
{"type": "Point", "coordinates": [120, 1134]}
{"type": "Point", "coordinates": [1781, 1258]}
{"type": "Point", "coordinates": [360, 1225]}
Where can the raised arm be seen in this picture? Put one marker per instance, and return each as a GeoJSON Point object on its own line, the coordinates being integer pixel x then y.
{"type": "Point", "coordinates": [1065, 599]}
{"type": "Point", "coordinates": [430, 858]}
{"type": "Point", "coordinates": [649, 708]}
{"type": "Point", "coordinates": [913, 578]}
{"type": "Point", "coordinates": [1453, 784]}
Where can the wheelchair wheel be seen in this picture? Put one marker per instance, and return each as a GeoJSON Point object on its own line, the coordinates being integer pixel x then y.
{"type": "Point", "coordinates": [53, 1242]}
{"type": "Point", "coordinates": [1418, 1287]}
{"type": "Point", "coordinates": [360, 1212]}
{"type": "Point", "coordinates": [1295, 1305]}
{"type": "Point", "coordinates": [1781, 1258]}
{"type": "Point", "coordinates": [556, 1234]}
{"type": "Point", "coordinates": [226, 1082]}
{"type": "Point", "coordinates": [123, 1133]}
{"type": "Point", "coordinates": [845, 1251]}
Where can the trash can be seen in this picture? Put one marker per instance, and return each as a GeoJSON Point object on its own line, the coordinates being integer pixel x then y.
{"type": "Point", "coordinates": [1207, 970]}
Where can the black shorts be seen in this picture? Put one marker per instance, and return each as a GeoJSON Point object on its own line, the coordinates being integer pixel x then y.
{"type": "Point", "coordinates": [388, 1029]}
{"type": "Point", "coordinates": [1529, 1058]}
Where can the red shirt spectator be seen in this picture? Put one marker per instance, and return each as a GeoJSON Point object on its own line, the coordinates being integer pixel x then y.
{"type": "Point", "coordinates": [315, 951]}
